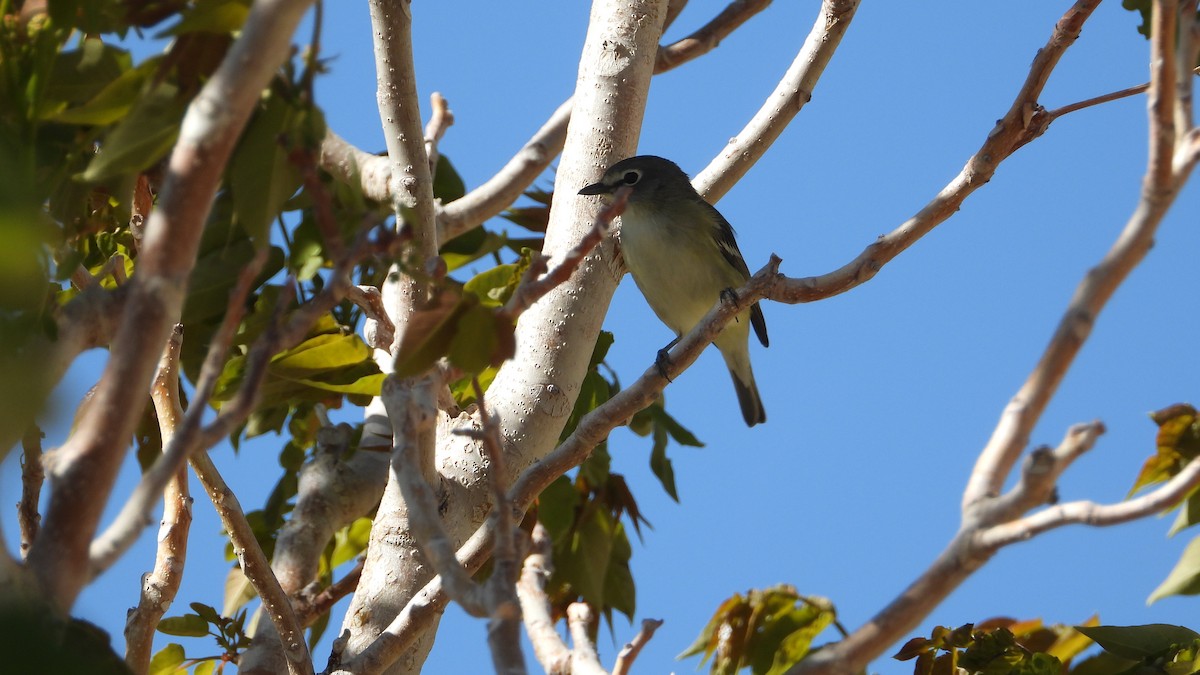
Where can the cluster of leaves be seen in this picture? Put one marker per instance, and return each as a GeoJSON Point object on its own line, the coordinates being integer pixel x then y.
{"type": "Point", "coordinates": [85, 130]}
{"type": "Point", "coordinates": [204, 621]}
{"type": "Point", "coordinates": [768, 631]}
{"type": "Point", "coordinates": [997, 646]}
{"type": "Point", "coordinates": [1009, 647]}
{"type": "Point", "coordinates": [583, 515]}
{"type": "Point", "coordinates": [1178, 443]}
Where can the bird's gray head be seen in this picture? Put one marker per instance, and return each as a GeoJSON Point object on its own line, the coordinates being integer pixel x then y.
{"type": "Point", "coordinates": [654, 180]}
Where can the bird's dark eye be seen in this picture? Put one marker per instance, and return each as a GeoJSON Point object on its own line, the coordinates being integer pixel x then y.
{"type": "Point", "coordinates": [631, 177]}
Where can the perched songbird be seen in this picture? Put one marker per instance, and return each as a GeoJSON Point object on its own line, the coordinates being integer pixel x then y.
{"type": "Point", "coordinates": [683, 256]}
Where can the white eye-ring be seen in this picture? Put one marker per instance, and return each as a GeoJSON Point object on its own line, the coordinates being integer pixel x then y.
{"type": "Point", "coordinates": [631, 177]}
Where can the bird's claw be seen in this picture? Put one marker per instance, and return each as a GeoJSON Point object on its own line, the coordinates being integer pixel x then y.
{"type": "Point", "coordinates": [662, 360]}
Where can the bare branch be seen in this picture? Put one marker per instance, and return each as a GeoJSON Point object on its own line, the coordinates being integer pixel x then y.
{"type": "Point", "coordinates": [989, 519]}
{"type": "Point", "coordinates": [440, 119]}
{"type": "Point", "coordinates": [411, 406]}
{"type": "Point", "coordinates": [1012, 433]}
{"type": "Point", "coordinates": [584, 659]}
{"type": "Point", "coordinates": [135, 514]}
{"type": "Point", "coordinates": [630, 651]}
{"type": "Point", "coordinates": [1165, 497]}
{"type": "Point", "coordinates": [161, 584]}
{"type": "Point", "coordinates": [254, 564]}
{"type": "Point", "coordinates": [790, 95]}
{"type": "Point", "coordinates": [379, 332]}
{"type": "Point", "coordinates": [548, 646]}
{"type": "Point", "coordinates": [310, 605]}
{"type": "Point", "coordinates": [91, 456]}
{"type": "Point", "coordinates": [538, 281]}
{"type": "Point", "coordinates": [411, 180]}
{"type": "Point", "coordinates": [501, 190]}
{"type": "Point", "coordinates": [707, 37]}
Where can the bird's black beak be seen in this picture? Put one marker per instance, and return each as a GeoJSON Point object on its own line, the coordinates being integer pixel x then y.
{"type": "Point", "coordinates": [596, 189]}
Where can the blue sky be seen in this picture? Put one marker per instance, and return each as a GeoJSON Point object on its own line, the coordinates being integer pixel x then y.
{"type": "Point", "coordinates": [878, 400]}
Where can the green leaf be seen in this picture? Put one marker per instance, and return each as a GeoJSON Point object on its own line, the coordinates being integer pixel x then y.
{"type": "Point", "coordinates": [206, 612]}
{"type": "Point", "coordinates": [1184, 579]}
{"type": "Point", "coordinates": [204, 667]}
{"type": "Point", "coordinates": [109, 105]}
{"type": "Point", "coordinates": [471, 246]}
{"type": "Point", "coordinates": [350, 541]}
{"type": "Point", "coordinates": [82, 74]}
{"type": "Point", "coordinates": [447, 184]}
{"type": "Point", "coordinates": [260, 175]}
{"type": "Point", "coordinates": [556, 507]}
{"type": "Point", "coordinates": [584, 563]}
{"type": "Point", "coordinates": [319, 354]}
{"type": "Point", "coordinates": [169, 659]}
{"type": "Point", "coordinates": [430, 331]}
{"type": "Point", "coordinates": [1189, 514]}
{"type": "Point", "coordinates": [142, 138]}
{"type": "Point", "coordinates": [482, 338]}
{"type": "Point", "coordinates": [223, 16]}
{"type": "Point", "coordinates": [1150, 641]}
{"type": "Point", "coordinates": [188, 625]}
{"type": "Point", "coordinates": [495, 286]}
{"type": "Point", "coordinates": [768, 630]}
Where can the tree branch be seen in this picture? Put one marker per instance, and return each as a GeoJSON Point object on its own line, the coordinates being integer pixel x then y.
{"type": "Point", "coordinates": [630, 651]}
{"type": "Point", "coordinates": [790, 95]}
{"type": "Point", "coordinates": [501, 190]}
{"type": "Point", "coordinates": [161, 584]}
{"type": "Point", "coordinates": [89, 460]}
{"type": "Point", "coordinates": [411, 180]}
{"type": "Point", "coordinates": [135, 514]}
{"type": "Point", "coordinates": [1012, 433]}
{"type": "Point", "coordinates": [440, 119]}
{"type": "Point", "coordinates": [584, 659]}
{"type": "Point", "coordinates": [548, 645]}
{"type": "Point", "coordinates": [1163, 498]}
{"type": "Point", "coordinates": [276, 604]}
{"type": "Point", "coordinates": [708, 36]}
{"type": "Point", "coordinates": [989, 518]}
{"type": "Point", "coordinates": [32, 476]}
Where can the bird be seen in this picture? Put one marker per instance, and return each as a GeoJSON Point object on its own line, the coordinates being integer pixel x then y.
{"type": "Point", "coordinates": [683, 256]}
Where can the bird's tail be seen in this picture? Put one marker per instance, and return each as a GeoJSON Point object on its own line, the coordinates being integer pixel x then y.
{"type": "Point", "coordinates": [747, 394]}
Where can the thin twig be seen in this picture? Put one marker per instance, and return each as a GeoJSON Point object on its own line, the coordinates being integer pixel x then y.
{"type": "Point", "coordinates": [379, 332]}
{"type": "Point", "coordinates": [538, 281]}
{"type": "Point", "coordinates": [630, 651]}
{"type": "Point", "coordinates": [548, 645]}
{"type": "Point", "coordinates": [161, 584]}
{"type": "Point", "coordinates": [790, 95]}
{"type": "Point", "coordinates": [504, 609]}
{"type": "Point", "coordinates": [1166, 496]}
{"type": "Point", "coordinates": [309, 607]}
{"type": "Point", "coordinates": [254, 564]}
{"type": "Point", "coordinates": [32, 476]}
{"type": "Point", "coordinates": [135, 514]}
{"type": "Point", "coordinates": [91, 457]}
{"type": "Point", "coordinates": [440, 119]}
{"type": "Point", "coordinates": [709, 36]}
